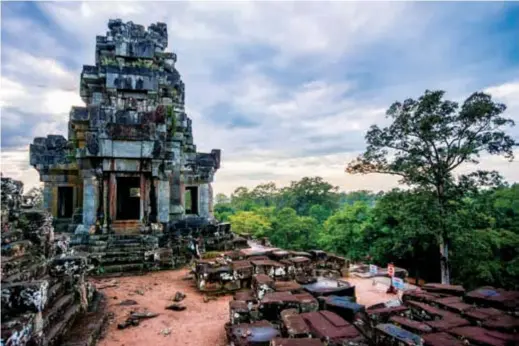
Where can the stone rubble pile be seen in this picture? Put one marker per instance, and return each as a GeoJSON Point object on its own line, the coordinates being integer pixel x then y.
{"type": "Point", "coordinates": [293, 307]}
{"type": "Point", "coordinates": [245, 268]}
{"type": "Point", "coordinates": [279, 295]}
{"type": "Point", "coordinates": [44, 289]}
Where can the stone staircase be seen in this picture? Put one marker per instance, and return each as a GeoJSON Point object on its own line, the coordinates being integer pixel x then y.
{"type": "Point", "coordinates": [115, 253]}
{"type": "Point", "coordinates": [77, 218]}
{"type": "Point", "coordinates": [61, 225]}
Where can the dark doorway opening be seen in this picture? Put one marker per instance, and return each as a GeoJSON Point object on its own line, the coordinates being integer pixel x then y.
{"type": "Point", "coordinates": [128, 198]}
{"type": "Point", "coordinates": [65, 201]}
{"type": "Point", "coordinates": [191, 200]}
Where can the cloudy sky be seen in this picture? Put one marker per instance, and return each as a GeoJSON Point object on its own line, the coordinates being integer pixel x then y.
{"type": "Point", "coordinates": [285, 89]}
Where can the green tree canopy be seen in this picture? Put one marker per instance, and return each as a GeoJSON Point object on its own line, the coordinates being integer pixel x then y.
{"type": "Point", "coordinates": [427, 140]}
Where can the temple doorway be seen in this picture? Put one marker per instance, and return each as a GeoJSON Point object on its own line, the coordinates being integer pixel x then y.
{"type": "Point", "coordinates": [191, 200]}
{"type": "Point", "coordinates": [128, 198]}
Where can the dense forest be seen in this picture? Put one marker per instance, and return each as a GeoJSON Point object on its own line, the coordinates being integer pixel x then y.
{"type": "Point", "coordinates": [441, 225]}
{"type": "Point", "coordinates": [396, 226]}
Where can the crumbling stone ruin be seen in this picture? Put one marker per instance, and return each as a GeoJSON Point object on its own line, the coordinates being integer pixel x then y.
{"type": "Point", "coordinates": [44, 289]}
{"type": "Point", "coordinates": [298, 306]}
{"type": "Point", "coordinates": [263, 268]}
{"type": "Point", "coordinates": [128, 180]}
{"type": "Point", "coordinates": [129, 160]}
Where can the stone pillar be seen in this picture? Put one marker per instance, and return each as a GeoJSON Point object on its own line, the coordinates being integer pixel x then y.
{"type": "Point", "coordinates": [112, 196]}
{"type": "Point", "coordinates": [163, 200]}
{"type": "Point", "coordinates": [106, 202]}
{"type": "Point", "coordinates": [211, 201]}
{"type": "Point", "coordinates": [143, 199]}
{"type": "Point", "coordinates": [203, 202]}
{"type": "Point", "coordinates": [47, 197]}
{"type": "Point", "coordinates": [90, 201]}
{"type": "Point", "coordinates": [176, 209]}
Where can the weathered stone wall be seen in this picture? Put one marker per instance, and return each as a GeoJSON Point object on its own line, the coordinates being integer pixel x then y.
{"type": "Point", "coordinates": [43, 286]}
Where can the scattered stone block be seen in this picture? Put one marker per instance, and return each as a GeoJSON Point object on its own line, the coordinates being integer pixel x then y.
{"type": "Point", "coordinates": [239, 312]}
{"type": "Point", "coordinates": [327, 287]}
{"type": "Point", "coordinates": [387, 334]}
{"type": "Point", "coordinates": [176, 307]}
{"type": "Point", "coordinates": [441, 339]}
{"type": "Point", "coordinates": [262, 284]}
{"type": "Point", "coordinates": [344, 307]}
{"type": "Point", "coordinates": [271, 305]}
{"type": "Point", "coordinates": [295, 342]}
{"type": "Point", "coordinates": [326, 325]}
{"type": "Point", "coordinates": [411, 325]}
{"type": "Point", "coordinates": [252, 334]}
{"type": "Point", "coordinates": [294, 325]}
{"type": "Point", "coordinates": [494, 297]}
{"type": "Point", "coordinates": [481, 336]}
{"type": "Point", "coordinates": [454, 290]}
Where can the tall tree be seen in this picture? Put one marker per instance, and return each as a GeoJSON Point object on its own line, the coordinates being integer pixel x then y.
{"type": "Point", "coordinates": [241, 198]}
{"type": "Point", "coordinates": [265, 194]}
{"type": "Point", "coordinates": [428, 139]}
{"type": "Point", "coordinates": [303, 194]}
{"type": "Point", "coordinates": [222, 198]}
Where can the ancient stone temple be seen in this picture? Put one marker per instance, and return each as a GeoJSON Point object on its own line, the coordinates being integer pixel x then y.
{"type": "Point", "coordinates": [129, 161]}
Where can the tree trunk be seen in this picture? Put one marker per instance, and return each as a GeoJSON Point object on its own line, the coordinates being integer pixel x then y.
{"type": "Point", "coordinates": [444, 261]}
{"type": "Point", "coordinates": [442, 241]}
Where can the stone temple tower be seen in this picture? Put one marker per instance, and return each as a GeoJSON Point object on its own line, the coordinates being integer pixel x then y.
{"type": "Point", "coordinates": [129, 160]}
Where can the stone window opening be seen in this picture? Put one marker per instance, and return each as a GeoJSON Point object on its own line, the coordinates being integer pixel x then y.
{"type": "Point", "coordinates": [191, 200]}
{"type": "Point", "coordinates": [65, 201]}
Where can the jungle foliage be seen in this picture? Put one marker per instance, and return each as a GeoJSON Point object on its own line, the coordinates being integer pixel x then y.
{"type": "Point", "coordinates": [397, 226]}
{"type": "Point", "coordinates": [446, 226]}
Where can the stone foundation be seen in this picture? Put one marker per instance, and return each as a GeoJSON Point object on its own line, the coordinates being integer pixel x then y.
{"type": "Point", "coordinates": [169, 246]}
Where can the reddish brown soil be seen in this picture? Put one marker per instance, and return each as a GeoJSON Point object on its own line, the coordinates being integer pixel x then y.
{"type": "Point", "coordinates": [201, 324]}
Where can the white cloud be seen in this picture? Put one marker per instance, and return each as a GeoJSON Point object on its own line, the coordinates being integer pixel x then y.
{"type": "Point", "coordinates": [314, 115]}
{"type": "Point", "coordinates": [508, 93]}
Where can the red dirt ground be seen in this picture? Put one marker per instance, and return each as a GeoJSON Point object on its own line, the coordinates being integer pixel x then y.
{"type": "Point", "coordinates": [201, 324]}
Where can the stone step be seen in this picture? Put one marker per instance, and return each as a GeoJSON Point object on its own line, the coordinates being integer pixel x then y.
{"type": "Point", "coordinates": [20, 328]}
{"type": "Point", "coordinates": [31, 272]}
{"type": "Point", "coordinates": [56, 332]}
{"type": "Point", "coordinates": [54, 313]}
{"type": "Point", "coordinates": [11, 236]}
{"type": "Point", "coordinates": [14, 265]}
{"type": "Point", "coordinates": [121, 268]}
{"type": "Point", "coordinates": [121, 260]}
{"type": "Point", "coordinates": [95, 249]}
{"type": "Point", "coordinates": [125, 237]}
{"type": "Point", "coordinates": [21, 297]}
{"type": "Point", "coordinates": [99, 237]}
{"type": "Point", "coordinates": [61, 225]}
{"type": "Point", "coordinates": [97, 243]}
{"type": "Point", "coordinates": [81, 248]}
{"type": "Point", "coordinates": [109, 254]}
{"type": "Point", "coordinates": [17, 248]}
{"type": "Point", "coordinates": [129, 247]}
{"type": "Point", "coordinates": [113, 242]}
{"type": "Point", "coordinates": [56, 291]}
